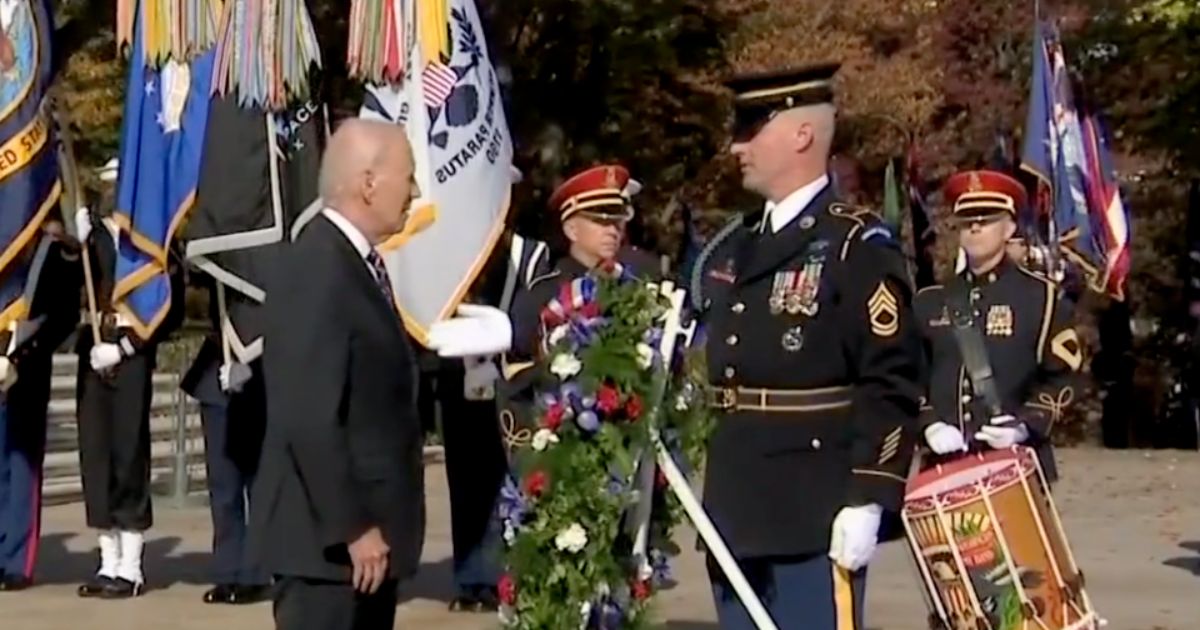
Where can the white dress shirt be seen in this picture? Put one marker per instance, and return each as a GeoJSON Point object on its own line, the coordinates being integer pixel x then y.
{"type": "Point", "coordinates": [782, 213]}
{"type": "Point", "coordinates": [353, 234]}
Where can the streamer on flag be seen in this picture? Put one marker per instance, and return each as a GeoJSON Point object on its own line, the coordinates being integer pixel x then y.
{"type": "Point", "coordinates": [265, 52]}
{"type": "Point", "coordinates": [30, 185]}
{"type": "Point", "coordinates": [450, 105]}
{"type": "Point", "coordinates": [168, 29]}
{"type": "Point", "coordinates": [375, 52]}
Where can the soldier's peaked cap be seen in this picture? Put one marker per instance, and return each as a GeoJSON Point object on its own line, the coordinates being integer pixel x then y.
{"type": "Point", "coordinates": [781, 89]}
{"type": "Point", "coordinates": [599, 191]}
{"type": "Point", "coordinates": [758, 96]}
{"type": "Point", "coordinates": [976, 193]}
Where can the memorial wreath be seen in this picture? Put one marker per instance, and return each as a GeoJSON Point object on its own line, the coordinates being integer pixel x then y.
{"type": "Point", "coordinates": [567, 512]}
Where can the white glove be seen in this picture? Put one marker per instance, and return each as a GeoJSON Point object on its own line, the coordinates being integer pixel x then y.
{"type": "Point", "coordinates": [479, 381]}
{"type": "Point", "coordinates": [8, 374]}
{"type": "Point", "coordinates": [234, 376]}
{"type": "Point", "coordinates": [855, 535]}
{"type": "Point", "coordinates": [105, 355]}
{"type": "Point", "coordinates": [1003, 432]}
{"type": "Point", "coordinates": [83, 224]}
{"type": "Point", "coordinates": [477, 331]}
{"type": "Point", "coordinates": [944, 438]}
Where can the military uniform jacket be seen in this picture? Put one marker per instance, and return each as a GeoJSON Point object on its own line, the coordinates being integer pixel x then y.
{"type": "Point", "coordinates": [1032, 346]}
{"type": "Point", "coordinates": [815, 364]}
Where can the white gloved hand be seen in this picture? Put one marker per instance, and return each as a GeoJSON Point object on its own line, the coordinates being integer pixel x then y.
{"type": "Point", "coordinates": [944, 438]}
{"type": "Point", "coordinates": [855, 535]}
{"type": "Point", "coordinates": [1003, 432]}
{"type": "Point", "coordinates": [105, 355]}
{"type": "Point", "coordinates": [83, 224]}
{"type": "Point", "coordinates": [477, 331]}
{"type": "Point", "coordinates": [234, 376]}
{"type": "Point", "coordinates": [479, 380]}
{"type": "Point", "coordinates": [8, 374]}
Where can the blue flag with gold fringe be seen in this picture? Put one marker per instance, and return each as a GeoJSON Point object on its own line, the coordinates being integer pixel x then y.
{"type": "Point", "coordinates": [29, 177]}
{"type": "Point", "coordinates": [162, 140]}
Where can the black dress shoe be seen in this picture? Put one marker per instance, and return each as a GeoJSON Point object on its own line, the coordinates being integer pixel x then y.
{"type": "Point", "coordinates": [11, 583]}
{"type": "Point", "coordinates": [220, 594]}
{"type": "Point", "coordinates": [250, 594]}
{"type": "Point", "coordinates": [121, 588]}
{"type": "Point", "coordinates": [464, 603]}
{"type": "Point", "coordinates": [488, 600]}
{"type": "Point", "coordinates": [95, 586]}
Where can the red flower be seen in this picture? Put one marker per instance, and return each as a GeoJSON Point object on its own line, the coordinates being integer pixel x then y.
{"type": "Point", "coordinates": [590, 310]}
{"type": "Point", "coordinates": [608, 399]}
{"type": "Point", "coordinates": [660, 480]}
{"type": "Point", "coordinates": [554, 416]}
{"type": "Point", "coordinates": [633, 407]}
{"type": "Point", "coordinates": [506, 589]}
{"type": "Point", "coordinates": [640, 590]}
{"type": "Point", "coordinates": [535, 483]}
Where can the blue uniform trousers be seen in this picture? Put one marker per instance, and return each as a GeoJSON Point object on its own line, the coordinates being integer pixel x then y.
{"type": "Point", "coordinates": [22, 449]}
{"type": "Point", "coordinates": [232, 441]}
{"type": "Point", "coordinates": [800, 593]}
{"type": "Point", "coordinates": [475, 469]}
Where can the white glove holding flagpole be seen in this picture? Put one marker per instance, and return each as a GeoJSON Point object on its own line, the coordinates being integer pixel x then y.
{"type": "Point", "coordinates": [477, 331]}
{"type": "Point", "coordinates": [855, 535]}
{"type": "Point", "coordinates": [105, 355]}
{"type": "Point", "coordinates": [83, 224]}
{"type": "Point", "coordinates": [8, 374]}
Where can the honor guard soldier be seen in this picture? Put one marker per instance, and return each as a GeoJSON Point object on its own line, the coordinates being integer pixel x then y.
{"type": "Point", "coordinates": [53, 315]}
{"type": "Point", "coordinates": [114, 396]}
{"type": "Point", "coordinates": [233, 414]}
{"type": "Point", "coordinates": [1003, 353]}
{"type": "Point", "coordinates": [814, 363]}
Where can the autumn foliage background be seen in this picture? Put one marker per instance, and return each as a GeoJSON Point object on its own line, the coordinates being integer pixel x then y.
{"type": "Point", "coordinates": [638, 81]}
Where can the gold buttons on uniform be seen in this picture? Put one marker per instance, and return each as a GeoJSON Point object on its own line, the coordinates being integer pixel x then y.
{"type": "Point", "coordinates": [739, 307]}
{"type": "Point", "coordinates": [967, 416]}
{"type": "Point", "coordinates": [816, 444]}
{"type": "Point", "coordinates": [730, 372]}
{"type": "Point", "coordinates": [731, 340]}
{"type": "Point", "coordinates": [966, 399]}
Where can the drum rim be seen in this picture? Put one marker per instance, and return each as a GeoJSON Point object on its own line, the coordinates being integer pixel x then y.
{"type": "Point", "coordinates": [1016, 454]}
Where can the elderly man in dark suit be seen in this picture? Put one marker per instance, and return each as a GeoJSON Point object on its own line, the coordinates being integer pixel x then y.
{"type": "Point", "coordinates": [341, 482]}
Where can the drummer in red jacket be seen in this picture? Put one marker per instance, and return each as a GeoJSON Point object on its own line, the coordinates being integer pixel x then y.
{"type": "Point", "coordinates": [1017, 317]}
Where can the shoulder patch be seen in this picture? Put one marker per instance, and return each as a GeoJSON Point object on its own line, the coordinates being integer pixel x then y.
{"type": "Point", "coordinates": [883, 311]}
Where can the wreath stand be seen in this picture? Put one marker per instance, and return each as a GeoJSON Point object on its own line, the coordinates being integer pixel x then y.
{"type": "Point", "coordinates": [660, 458]}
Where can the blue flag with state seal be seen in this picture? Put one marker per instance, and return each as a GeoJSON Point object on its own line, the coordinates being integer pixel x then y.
{"type": "Point", "coordinates": [162, 141]}
{"type": "Point", "coordinates": [29, 177]}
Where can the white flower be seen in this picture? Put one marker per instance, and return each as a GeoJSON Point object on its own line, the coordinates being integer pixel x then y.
{"type": "Point", "coordinates": [645, 356]}
{"type": "Point", "coordinates": [508, 614]}
{"type": "Point", "coordinates": [543, 439]}
{"type": "Point", "coordinates": [585, 611]}
{"type": "Point", "coordinates": [565, 366]}
{"type": "Point", "coordinates": [558, 334]}
{"type": "Point", "coordinates": [572, 539]}
{"type": "Point", "coordinates": [510, 533]}
{"type": "Point", "coordinates": [681, 403]}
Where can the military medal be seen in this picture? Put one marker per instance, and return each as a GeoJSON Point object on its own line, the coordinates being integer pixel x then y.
{"type": "Point", "coordinates": [777, 301]}
{"type": "Point", "coordinates": [793, 339]}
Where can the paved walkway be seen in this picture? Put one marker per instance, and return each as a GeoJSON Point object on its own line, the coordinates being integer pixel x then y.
{"type": "Point", "coordinates": [1133, 518]}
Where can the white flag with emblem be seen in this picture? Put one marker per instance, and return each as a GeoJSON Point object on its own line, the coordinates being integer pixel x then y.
{"type": "Point", "coordinates": [449, 102]}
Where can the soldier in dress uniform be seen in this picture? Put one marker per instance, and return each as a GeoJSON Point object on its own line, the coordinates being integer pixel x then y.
{"type": "Point", "coordinates": [233, 414]}
{"type": "Point", "coordinates": [54, 312]}
{"type": "Point", "coordinates": [114, 395]}
{"type": "Point", "coordinates": [593, 206]}
{"type": "Point", "coordinates": [1023, 324]}
{"type": "Point", "coordinates": [814, 361]}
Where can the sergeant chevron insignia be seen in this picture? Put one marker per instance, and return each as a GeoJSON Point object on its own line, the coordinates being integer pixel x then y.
{"type": "Point", "coordinates": [883, 310]}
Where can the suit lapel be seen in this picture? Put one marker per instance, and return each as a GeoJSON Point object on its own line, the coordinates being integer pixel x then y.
{"type": "Point", "coordinates": [363, 276]}
{"type": "Point", "coordinates": [765, 253]}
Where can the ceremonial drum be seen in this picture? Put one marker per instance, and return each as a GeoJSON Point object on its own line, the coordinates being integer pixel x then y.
{"type": "Point", "coordinates": [990, 547]}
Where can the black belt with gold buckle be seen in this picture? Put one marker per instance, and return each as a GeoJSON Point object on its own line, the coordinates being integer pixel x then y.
{"type": "Point", "coordinates": [731, 399]}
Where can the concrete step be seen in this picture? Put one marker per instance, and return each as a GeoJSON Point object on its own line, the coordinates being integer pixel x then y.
{"type": "Point", "coordinates": [64, 435]}
{"type": "Point", "coordinates": [63, 407]}
{"type": "Point", "coordinates": [66, 383]}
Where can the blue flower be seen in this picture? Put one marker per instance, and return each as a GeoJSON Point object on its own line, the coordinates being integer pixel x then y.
{"type": "Point", "coordinates": [660, 569]}
{"type": "Point", "coordinates": [588, 421]}
{"type": "Point", "coordinates": [512, 507]}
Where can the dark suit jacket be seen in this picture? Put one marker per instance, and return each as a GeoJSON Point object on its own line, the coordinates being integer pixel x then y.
{"type": "Point", "coordinates": [343, 446]}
